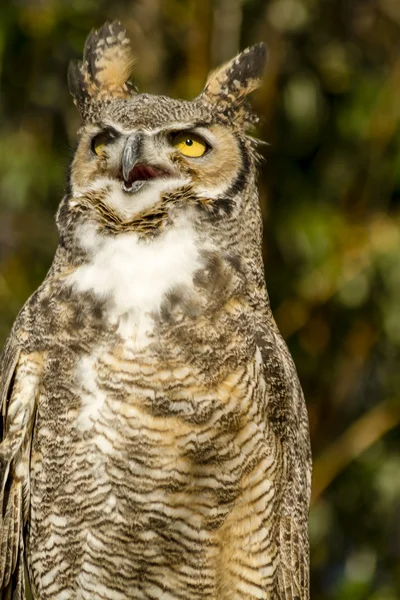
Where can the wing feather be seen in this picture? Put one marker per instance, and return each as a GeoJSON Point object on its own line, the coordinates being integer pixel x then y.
{"type": "Point", "coordinates": [287, 414]}
{"type": "Point", "coordinates": [19, 383]}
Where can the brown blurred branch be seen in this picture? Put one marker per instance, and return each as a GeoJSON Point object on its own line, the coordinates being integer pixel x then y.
{"type": "Point", "coordinates": [353, 442]}
{"type": "Point", "coordinates": [226, 30]}
{"type": "Point", "coordinates": [144, 22]}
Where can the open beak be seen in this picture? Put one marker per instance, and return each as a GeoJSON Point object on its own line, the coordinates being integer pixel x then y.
{"type": "Point", "coordinates": [135, 172]}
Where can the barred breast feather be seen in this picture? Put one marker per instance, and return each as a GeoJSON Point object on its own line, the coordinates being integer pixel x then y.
{"type": "Point", "coordinates": [154, 466]}
{"type": "Point", "coordinates": [154, 435]}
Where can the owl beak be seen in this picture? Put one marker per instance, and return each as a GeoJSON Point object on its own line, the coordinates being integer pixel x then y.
{"type": "Point", "coordinates": [131, 154]}
{"type": "Point", "coordinates": [134, 172]}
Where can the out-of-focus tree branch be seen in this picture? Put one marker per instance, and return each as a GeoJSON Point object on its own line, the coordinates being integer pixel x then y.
{"type": "Point", "coordinates": [354, 441]}
{"type": "Point", "coordinates": [226, 29]}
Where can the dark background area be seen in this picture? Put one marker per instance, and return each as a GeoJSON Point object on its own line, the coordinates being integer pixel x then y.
{"type": "Point", "coordinates": [330, 194]}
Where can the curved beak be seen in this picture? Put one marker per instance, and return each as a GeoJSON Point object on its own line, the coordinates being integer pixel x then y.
{"type": "Point", "coordinates": [131, 154]}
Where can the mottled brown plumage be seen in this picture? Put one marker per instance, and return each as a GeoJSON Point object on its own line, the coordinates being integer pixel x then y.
{"type": "Point", "coordinates": [155, 438]}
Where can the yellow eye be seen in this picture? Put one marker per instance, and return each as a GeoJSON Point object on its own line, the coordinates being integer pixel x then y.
{"type": "Point", "coordinates": [103, 138]}
{"type": "Point", "coordinates": [189, 144]}
{"type": "Point", "coordinates": [98, 148]}
{"type": "Point", "coordinates": [98, 143]}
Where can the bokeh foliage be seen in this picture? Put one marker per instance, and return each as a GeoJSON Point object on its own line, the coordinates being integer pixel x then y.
{"type": "Point", "coordinates": [330, 193]}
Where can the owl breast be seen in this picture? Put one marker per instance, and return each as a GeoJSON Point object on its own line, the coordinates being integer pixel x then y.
{"type": "Point", "coordinates": [154, 479]}
{"type": "Point", "coordinates": [153, 467]}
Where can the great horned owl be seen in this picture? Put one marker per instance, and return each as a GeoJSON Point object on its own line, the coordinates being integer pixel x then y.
{"type": "Point", "coordinates": [155, 440]}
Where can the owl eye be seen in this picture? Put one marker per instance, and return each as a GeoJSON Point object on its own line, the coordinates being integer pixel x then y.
{"type": "Point", "coordinates": [189, 144]}
{"type": "Point", "coordinates": [100, 141]}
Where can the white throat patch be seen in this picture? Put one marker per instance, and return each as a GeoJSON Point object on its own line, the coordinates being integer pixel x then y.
{"type": "Point", "coordinates": [132, 276]}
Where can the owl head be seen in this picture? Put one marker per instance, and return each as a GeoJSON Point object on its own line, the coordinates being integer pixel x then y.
{"type": "Point", "coordinates": [142, 160]}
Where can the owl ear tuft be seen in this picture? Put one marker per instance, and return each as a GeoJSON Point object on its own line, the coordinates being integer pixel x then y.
{"type": "Point", "coordinates": [105, 70]}
{"type": "Point", "coordinates": [228, 86]}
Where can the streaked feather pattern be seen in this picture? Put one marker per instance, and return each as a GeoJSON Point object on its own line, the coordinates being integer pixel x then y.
{"type": "Point", "coordinates": [19, 386]}
{"type": "Point", "coordinates": [155, 439]}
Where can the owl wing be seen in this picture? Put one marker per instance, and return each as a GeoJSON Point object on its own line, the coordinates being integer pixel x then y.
{"type": "Point", "coordinates": [294, 568]}
{"type": "Point", "coordinates": [19, 382]}
{"type": "Point", "coordinates": [287, 415]}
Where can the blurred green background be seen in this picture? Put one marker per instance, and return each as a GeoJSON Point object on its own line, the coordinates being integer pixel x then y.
{"type": "Point", "coordinates": [330, 194]}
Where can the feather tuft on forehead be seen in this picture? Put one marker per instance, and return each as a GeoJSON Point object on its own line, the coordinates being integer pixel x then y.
{"type": "Point", "coordinates": [229, 85]}
{"type": "Point", "coordinates": [105, 70]}
{"type": "Point", "coordinates": [103, 75]}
